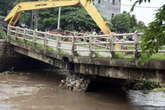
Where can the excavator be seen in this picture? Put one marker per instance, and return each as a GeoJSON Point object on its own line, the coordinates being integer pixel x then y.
{"type": "Point", "coordinates": [14, 15]}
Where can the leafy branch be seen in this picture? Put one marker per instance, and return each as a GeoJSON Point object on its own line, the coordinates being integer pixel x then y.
{"type": "Point", "coordinates": [154, 36]}
{"type": "Point", "coordinates": [138, 2]}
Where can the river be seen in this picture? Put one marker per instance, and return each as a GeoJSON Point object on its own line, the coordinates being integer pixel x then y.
{"type": "Point", "coordinates": [31, 91]}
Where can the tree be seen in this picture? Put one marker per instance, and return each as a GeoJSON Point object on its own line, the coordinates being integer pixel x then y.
{"type": "Point", "coordinates": [72, 18]}
{"type": "Point", "coordinates": [121, 22]}
{"type": "Point", "coordinates": [18, 1]}
{"type": "Point", "coordinates": [5, 5]}
{"type": "Point", "coordinates": [133, 21]}
{"type": "Point", "coordinates": [141, 25]}
{"type": "Point", "coordinates": [125, 22]}
{"type": "Point", "coordinates": [138, 2]}
{"type": "Point", "coordinates": [154, 36]}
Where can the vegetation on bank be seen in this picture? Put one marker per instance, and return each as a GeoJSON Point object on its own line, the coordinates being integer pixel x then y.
{"type": "Point", "coordinates": [143, 85]}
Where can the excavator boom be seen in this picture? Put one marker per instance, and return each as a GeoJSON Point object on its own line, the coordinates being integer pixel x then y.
{"type": "Point", "coordinates": [15, 13]}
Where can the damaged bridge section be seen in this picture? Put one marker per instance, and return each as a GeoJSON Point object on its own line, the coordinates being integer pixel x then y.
{"type": "Point", "coordinates": [129, 69]}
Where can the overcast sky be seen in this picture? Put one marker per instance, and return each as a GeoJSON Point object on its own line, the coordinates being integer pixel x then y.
{"type": "Point", "coordinates": [144, 12]}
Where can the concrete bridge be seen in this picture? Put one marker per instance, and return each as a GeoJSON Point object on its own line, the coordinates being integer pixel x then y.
{"type": "Point", "coordinates": [84, 54]}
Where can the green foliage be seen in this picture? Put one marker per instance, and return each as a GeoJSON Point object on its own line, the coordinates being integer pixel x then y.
{"type": "Point", "coordinates": [2, 34]}
{"type": "Point", "coordinates": [29, 43]}
{"type": "Point", "coordinates": [145, 85]}
{"type": "Point", "coordinates": [18, 1]}
{"type": "Point", "coordinates": [121, 22]}
{"type": "Point", "coordinates": [154, 36]}
{"type": "Point", "coordinates": [118, 55]}
{"type": "Point", "coordinates": [12, 38]}
{"type": "Point", "coordinates": [12, 69]}
{"type": "Point", "coordinates": [26, 15]}
{"type": "Point", "coordinates": [63, 52]}
{"type": "Point", "coordinates": [158, 56]}
{"type": "Point", "coordinates": [26, 18]}
{"type": "Point", "coordinates": [72, 18]}
{"type": "Point", "coordinates": [160, 89]}
{"type": "Point", "coordinates": [5, 5]}
{"type": "Point", "coordinates": [133, 21]}
{"type": "Point", "coordinates": [149, 85]}
{"type": "Point", "coordinates": [97, 55]}
{"type": "Point", "coordinates": [54, 38]}
{"type": "Point", "coordinates": [138, 2]}
{"type": "Point", "coordinates": [125, 22]}
{"type": "Point", "coordinates": [137, 28]}
{"type": "Point", "coordinates": [38, 45]}
{"type": "Point", "coordinates": [20, 40]}
{"type": "Point", "coordinates": [50, 49]}
{"type": "Point", "coordinates": [122, 55]}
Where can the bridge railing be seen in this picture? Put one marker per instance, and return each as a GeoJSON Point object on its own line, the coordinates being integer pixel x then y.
{"type": "Point", "coordinates": [80, 44]}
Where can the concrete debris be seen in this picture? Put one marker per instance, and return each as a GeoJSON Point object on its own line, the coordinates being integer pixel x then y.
{"type": "Point", "coordinates": [75, 83]}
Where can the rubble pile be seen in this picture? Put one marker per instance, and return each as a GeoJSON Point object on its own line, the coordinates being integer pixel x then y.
{"type": "Point", "coordinates": [75, 83]}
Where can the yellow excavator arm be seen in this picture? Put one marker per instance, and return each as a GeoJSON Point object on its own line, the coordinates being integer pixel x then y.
{"type": "Point", "coordinates": [15, 13]}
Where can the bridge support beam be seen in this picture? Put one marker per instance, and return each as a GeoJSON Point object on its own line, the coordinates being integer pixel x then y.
{"type": "Point", "coordinates": [135, 74]}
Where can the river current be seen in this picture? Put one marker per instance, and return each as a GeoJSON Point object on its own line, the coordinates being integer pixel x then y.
{"type": "Point", "coordinates": [30, 91]}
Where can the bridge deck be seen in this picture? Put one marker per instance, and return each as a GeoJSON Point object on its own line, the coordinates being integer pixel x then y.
{"type": "Point", "coordinates": [87, 49]}
{"type": "Point", "coordinates": [87, 54]}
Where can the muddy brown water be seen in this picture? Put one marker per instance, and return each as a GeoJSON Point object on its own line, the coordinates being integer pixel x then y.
{"type": "Point", "coordinates": [27, 91]}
